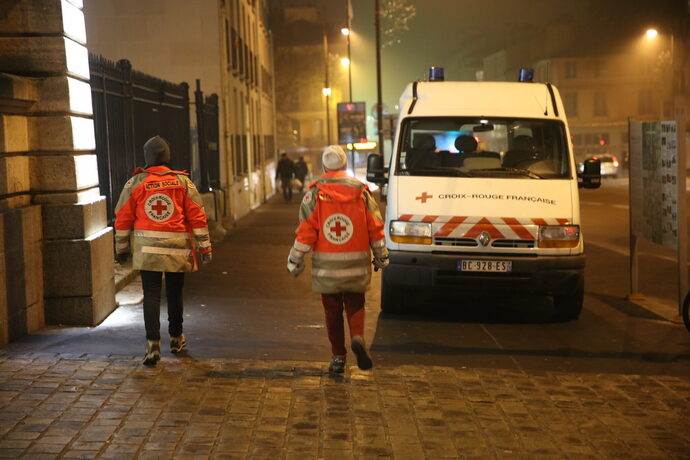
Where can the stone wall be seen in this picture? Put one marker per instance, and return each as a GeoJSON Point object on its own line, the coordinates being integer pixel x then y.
{"type": "Point", "coordinates": [56, 252]}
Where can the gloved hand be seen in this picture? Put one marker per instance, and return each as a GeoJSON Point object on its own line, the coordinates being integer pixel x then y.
{"type": "Point", "coordinates": [295, 268]}
{"type": "Point", "coordinates": [295, 261]}
{"type": "Point", "coordinates": [380, 263]}
{"type": "Point", "coordinates": [206, 258]}
{"type": "Point", "coordinates": [122, 257]}
{"type": "Point", "coordinates": [380, 256]}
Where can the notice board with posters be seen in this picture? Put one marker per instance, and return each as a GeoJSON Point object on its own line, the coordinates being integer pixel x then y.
{"type": "Point", "coordinates": [654, 177]}
{"type": "Point", "coordinates": [352, 122]}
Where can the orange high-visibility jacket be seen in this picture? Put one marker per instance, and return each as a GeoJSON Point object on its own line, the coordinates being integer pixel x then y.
{"type": "Point", "coordinates": [340, 221]}
{"type": "Point", "coordinates": [166, 211]}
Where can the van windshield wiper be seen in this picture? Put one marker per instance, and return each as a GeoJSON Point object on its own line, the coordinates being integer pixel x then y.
{"type": "Point", "coordinates": [520, 171]}
{"type": "Point", "coordinates": [437, 172]}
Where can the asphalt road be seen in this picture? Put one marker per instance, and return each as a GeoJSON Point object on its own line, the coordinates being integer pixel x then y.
{"type": "Point", "coordinates": [244, 305]}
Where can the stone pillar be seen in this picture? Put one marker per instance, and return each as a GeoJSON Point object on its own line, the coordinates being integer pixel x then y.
{"type": "Point", "coordinates": [21, 255]}
{"type": "Point", "coordinates": [49, 144]}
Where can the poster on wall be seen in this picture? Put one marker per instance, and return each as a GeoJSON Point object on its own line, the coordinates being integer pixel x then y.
{"type": "Point", "coordinates": [352, 122]}
{"type": "Point", "coordinates": [653, 181]}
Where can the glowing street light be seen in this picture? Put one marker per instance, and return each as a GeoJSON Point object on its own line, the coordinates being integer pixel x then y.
{"type": "Point", "coordinates": [326, 91]}
{"type": "Point", "coordinates": [345, 62]}
{"type": "Point", "coordinates": [651, 34]}
{"type": "Point", "coordinates": [345, 31]}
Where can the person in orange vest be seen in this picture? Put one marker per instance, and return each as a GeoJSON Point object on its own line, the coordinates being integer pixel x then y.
{"type": "Point", "coordinates": [167, 214]}
{"type": "Point", "coordinates": [341, 223]}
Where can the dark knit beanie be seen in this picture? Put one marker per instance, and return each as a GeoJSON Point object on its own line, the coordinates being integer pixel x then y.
{"type": "Point", "coordinates": [156, 151]}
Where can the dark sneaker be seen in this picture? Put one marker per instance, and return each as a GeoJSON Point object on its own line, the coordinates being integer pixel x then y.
{"type": "Point", "coordinates": [153, 352]}
{"type": "Point", "coordinates": [177, 343]}
{"type": "Point", "coordinates": [337, 365]}
{"type": "Point", "coordinates": [360, 350]}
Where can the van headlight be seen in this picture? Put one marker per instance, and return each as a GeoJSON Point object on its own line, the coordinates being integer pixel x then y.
{"type": "Point", "coordinates": [559, 236]}
{"type": "Point", "coordinates": [410, 232]}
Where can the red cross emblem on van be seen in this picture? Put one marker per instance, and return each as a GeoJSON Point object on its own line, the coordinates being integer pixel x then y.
{"type": "Point", "coordinates": [423, 197]}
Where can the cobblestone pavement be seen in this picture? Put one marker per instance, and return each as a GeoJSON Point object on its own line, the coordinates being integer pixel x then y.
{"type": "Point", "coordinates": [89, 406]}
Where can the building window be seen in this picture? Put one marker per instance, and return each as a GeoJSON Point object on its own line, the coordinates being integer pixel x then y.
{"type": "Point", "coordinates": [570, 102]}
{"type": "Point", "coordinates": [644, 102]}
{"type": "Point", "coordinates": [600, 109]}
{"type": "Point", "coordinates": [234, 40]}
{"type": "Point", "coordinates": [245, 154]}
{"type": "Point", "coordinates": [571, 69]}
{"type": "Point", "coordinates": [668, 108]}
{"type": "Point", "coordinates": [237, 157]}
{"type": "Point", "coordinates": [293, 101]}
{"type": "Point", "coordinates": [597, 68]}
{"type": "Point", "coordinates": [228, 44]}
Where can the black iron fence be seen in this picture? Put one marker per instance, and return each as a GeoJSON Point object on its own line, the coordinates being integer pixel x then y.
{"type": "Point", "coordinates": [207, 128]}
{"type": "Point", "coordinates": [129, 107]}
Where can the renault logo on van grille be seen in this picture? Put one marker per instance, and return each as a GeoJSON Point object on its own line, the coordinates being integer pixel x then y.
{"type": "Point", "coordinates": [484, 238]}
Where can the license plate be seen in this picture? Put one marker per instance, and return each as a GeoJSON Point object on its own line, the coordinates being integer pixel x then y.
{"type": "Point", "coordinates": [495, 266]}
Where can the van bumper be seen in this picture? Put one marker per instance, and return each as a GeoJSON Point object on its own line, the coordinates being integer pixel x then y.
{"type": "Point", "coordinates": [552, 275]}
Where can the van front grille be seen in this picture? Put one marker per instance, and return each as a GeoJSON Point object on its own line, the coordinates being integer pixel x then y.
{"type": "Point", "coordinates": [505, 243]}
{"type": "Point", "coordinates": [464, 242]}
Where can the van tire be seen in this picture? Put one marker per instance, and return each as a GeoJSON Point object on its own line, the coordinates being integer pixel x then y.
{"type": "Point", "coordinates": [568, 307]}
{"type": "Point", "coordinates": [392, 299]}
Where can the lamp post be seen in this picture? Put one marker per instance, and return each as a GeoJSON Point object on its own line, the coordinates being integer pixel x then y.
{"type": "Point", "coordinates": [326, 91]}
{"type": "Point", "coordinates": [347, 30]}
{"type": "Point", "coordinates": [379, 98]}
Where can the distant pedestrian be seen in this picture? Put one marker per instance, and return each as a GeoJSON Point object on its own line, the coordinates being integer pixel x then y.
{"type": "Point", "coordinates": [285, 171]}
{"type": "Point", "coordinates": [340, 221]}
{"type": "Point", "coordinates": [165, 210]}
{"type": "Point", "coordinates": [301, 170]}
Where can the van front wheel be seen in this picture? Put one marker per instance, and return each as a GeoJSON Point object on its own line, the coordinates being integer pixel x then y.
{"type": "Point", "coordinates": [568, 307]}
{"type": "Point", "coordinates": [391, 296]}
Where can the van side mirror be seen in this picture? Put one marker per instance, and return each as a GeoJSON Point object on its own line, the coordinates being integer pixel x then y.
{"type": "Point", "coordinates": [590, 177]}
{"type": "Point", "coordinates": [376, 172]}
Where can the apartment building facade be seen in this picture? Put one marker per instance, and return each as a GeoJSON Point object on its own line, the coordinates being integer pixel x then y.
{"type": "Point", "coordinates": [227, 45]}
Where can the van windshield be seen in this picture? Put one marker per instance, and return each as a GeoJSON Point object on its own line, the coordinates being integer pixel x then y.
{"type": "Point", "coordinates": [483, 147]}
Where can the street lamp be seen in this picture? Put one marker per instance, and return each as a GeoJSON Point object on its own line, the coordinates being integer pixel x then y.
{"type": "Point", "coordinates": [652, 35]}
{"type": "Point", "coordinates": [345, 62]}
{"type": "Point", "coordinates": [326, 91]}
{"type": "Point", "coordinates": [345, 30]}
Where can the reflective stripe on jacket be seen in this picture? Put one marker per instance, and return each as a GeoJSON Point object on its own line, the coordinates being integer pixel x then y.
{"type": "Point", "coordinates": [340, 221]}
{"type": "Point", "coordinates": [166, 211]}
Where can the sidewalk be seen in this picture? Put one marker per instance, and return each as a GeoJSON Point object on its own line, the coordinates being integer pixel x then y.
{"type": "Point", "coordinates": [89, 406]}
{"type": "Point", "coordinates": [254, 383]}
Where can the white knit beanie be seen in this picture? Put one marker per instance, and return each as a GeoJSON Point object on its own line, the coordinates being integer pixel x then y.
{"type": "Point", "coordinates": [334, 158]}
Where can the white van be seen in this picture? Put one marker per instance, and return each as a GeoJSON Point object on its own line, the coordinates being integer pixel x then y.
{"type": "Point", "coordinates": [483, 194]}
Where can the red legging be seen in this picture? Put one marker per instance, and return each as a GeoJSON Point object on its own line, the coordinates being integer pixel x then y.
{"type": "Point", "coordinates": [353, 303]}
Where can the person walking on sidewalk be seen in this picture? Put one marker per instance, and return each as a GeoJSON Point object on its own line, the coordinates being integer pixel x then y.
{"type": "Point", "coordinates": [301, 171]}
{"type": "Point", "coordinates": [166, 211]}
{"type": "Point", "coordinates": [340, 221]}
{"type": "Point", "coordinates": [285, 171]}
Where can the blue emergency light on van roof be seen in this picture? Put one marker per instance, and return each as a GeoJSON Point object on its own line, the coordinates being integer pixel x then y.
{"type": "Point", "coordinates": [436, 73]}
{"type": "Point", "coordinates": [526, 75]}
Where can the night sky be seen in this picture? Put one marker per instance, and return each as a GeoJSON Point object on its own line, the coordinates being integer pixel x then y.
{"type": "Point", "coordinates": [456, 34]}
